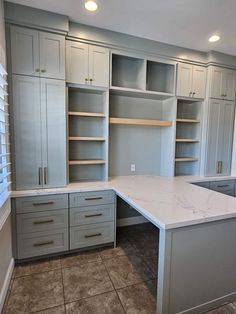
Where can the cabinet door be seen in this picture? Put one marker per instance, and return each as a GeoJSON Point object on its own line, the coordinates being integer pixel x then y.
{"type": "Point", "coordinates": [227, 121]}
{"type": "Point", "coordinates": [53, 132]}
{"type": "Point", "coordinates": [27, 132]}
{"type": "Point", "coordinates": [229, 84]}
{"type": "Point", "coordinates": [24, 51]}
{"type": "Point", "coordinates": [99, 66]}
{"type": "Point", "coordinates": [76, 62]}
{"type": "Point", "coordinates": [52, 55]}
{"type": "Point", "coordinates": [199, 82]}
{"type": "Point", "coordinates": [214, 137]}
{"type": "Point", "coordinates": [217, 82]}
{"type": "Point", "coordinates": [184, 80]}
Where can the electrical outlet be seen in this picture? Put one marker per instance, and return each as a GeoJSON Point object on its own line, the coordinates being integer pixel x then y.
{"type": "Point", "coordinates": [132, 168]}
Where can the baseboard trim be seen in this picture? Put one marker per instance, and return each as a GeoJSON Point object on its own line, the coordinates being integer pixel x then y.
{"type": "Point", "coordinates": [6, 284]}
{"type": "Point", "coordinates": [122, 222]}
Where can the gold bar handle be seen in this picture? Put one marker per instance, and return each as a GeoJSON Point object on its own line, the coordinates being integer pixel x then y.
{"type": "Point", "coordinates": [93, 198]}
{"type": "Point", "coordinates": [43, 243]}
{"type": "Point", "coordinates": [92, 215]}
{"type": "Point", "coordinates": [93, 235]}
{"type": "Point", "coordinates": [43, 203]}
{"type": "Point", "coordinates": [39, 222]}
{"type": "Point", "coordinates": [221, 166]}
{"type": "Point", "coordinates": [45, 175]}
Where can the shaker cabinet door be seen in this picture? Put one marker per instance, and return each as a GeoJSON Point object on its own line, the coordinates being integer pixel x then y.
{"type": "Point", "coordinates": [52, 55]}
{"type": "Point", "coordinates": [76, 62]}
{"type": "Point", "coordinates": [53, 132]}
{"type": "Point", "coordinates": [27, 132]}
{"type": "Point", "coordinates": [184, 80]}
{"type": "Point", "coordinates": [217, 82]}
{"type": "Point", "coordinates": [98, 66]}
{"type": "Point", "coordinates": [24, 51]}
{"type": "Point", "coordinates": [199, 82]}
{"type": "Point", "coordinates": [229, 84]}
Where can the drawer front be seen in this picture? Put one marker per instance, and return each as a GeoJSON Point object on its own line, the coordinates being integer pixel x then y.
{"type": "Point", "coordinates": [203, 184]}
{"type": "Point", "coordinates": [89, 235]}
{"type": "Point", "coordinates": [42, 221]}
{"type": "Point", "coordinates": [230, 193]}
{"type": "Point", "coordinates": [41, 203]}
{"type": "Point", "coordinates": [224, 185]}
{"type": "Point", "coordinates": [42, 243]}
{"type": "Point", "coordinates": [93, 214]}
{"type": "Point", "coordinates": [91, 198]}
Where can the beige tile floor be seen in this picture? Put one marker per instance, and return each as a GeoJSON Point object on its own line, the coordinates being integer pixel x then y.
{"type": "Point", "coordinates": [103, 281]}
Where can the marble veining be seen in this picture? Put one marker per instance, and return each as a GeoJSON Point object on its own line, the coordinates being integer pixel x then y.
{"type": "Point", "coordinates": [168, 202]}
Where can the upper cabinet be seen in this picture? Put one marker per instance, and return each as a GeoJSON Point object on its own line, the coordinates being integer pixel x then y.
{"type": "Point", "coordinates": [222, 83]}
{"type": "Point", "coordinates": [87, 64]}
{"type": "Point", "coordinates": [37, 53]}
{"type": "Point", "coordinates": [191, 81]}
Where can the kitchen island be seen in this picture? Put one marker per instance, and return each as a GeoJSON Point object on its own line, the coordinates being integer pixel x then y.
{"type": "Point", "coordinates": [197, 250]}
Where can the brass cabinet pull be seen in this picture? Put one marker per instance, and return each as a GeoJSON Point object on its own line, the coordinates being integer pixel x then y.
{"type": "Point", "coordinates": [93, 235]}
{"type": "Point", "coordinates": [86, 80]}
{"type": "Point", "coordinates": [43, 71]}
{"type": "Point", "coordinates": [93, 198]}
{"type": "Point", "coordinates": [91, 80]}
{"type": "Point", "coordinates": [39, 222]}
{"type": "Point", "coordinates": [190, 93]}
{"type": "Point", "coordinates": [219, 166]}
{"type": "Point", "coordinates": [92, 215]}
{"type": "Point", "coordinates": [45, 175]}
{"type": "Point", "coordinates": [43, 243]}
{"type": "Point", "coordinates": [37, 70]}
{"type": "Point", "coordinates": [194, 93]}
{"type": "Point", "coordinates": [43, 203]}
{"type": "Point", "coordinates": [40, 175]}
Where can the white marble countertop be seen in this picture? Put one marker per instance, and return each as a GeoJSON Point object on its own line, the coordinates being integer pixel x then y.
{"type": "Point", "coordinates": [168, 202]}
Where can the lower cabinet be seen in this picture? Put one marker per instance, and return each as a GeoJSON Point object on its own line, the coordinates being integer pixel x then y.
{"type": "Point", "coordinates": [222, 186]}
{"type": "Point", "coordinates": [49, 224]}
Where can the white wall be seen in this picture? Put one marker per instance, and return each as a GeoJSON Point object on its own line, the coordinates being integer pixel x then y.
{"type": "Point", "coordinates": [6, 261]}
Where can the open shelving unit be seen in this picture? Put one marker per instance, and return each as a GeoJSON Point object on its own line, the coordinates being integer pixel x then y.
{"type": "Point", "coordinates": [188, 133]}
{"type": "Point", "coordinates": [147, 122]}
{"type": "Point", "coordinates": [87, 133]}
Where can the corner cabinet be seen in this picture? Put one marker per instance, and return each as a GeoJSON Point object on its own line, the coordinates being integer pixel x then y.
{"type": "Point", "coordinates": [222, 83]}
{"type": "Point", "coordinates": [191, 81]}
{"type": "Point", "coordinates": [219, 137]}
{"type": "Point", "coordinates": [87, 64]}
{"type": "Point", "coordinates": [39, 122]}
{"type": "Point", "coordinates": [37, 53]}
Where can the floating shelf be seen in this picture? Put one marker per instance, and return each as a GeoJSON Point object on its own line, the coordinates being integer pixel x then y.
{"type": "Point", "coordinates": [186, 140]}
{"type": "Point", "coordinates": [178, 159]}
{"type": "Point", "coordinates": [86, 138]}
{"type": "Point", "coordinates": [87, 162]}
{"type": "Point", "coordinates": [146, 122]}
{"type": "Point", "coordinates": [187, 120]}
{"type": "Point", "coordinates": [87, 114]}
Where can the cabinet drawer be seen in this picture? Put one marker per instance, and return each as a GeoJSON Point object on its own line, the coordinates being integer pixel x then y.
{"type": "Point", "coordinates": [220, 186]}
{"type": "Point", "coordinates": [41, 203]}
{"type": "Point", "coordinates": [89, 235]}
{"type": "Point", "coordinates": [41, 221]}
{"type": "Point", "coordinates": [93, 214]}
{"type": "Point", "coordinates": [91, 198]}
{"type": "Point", "coordinates": [41, 243]}
{"type": "Point", "coordinates": [203, 184]}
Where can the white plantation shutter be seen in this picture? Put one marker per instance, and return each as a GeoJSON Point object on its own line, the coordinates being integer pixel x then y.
{"type": "Point", "coordinates": [4, 139]}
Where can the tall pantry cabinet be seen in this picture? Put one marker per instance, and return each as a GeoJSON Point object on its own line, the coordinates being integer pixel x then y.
{"type": "Point", "coordinates": [39, 110]}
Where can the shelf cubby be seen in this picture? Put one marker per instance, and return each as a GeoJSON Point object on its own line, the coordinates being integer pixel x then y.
{"type": "Point", "coordinates": [128, 72]}
{"type": "Point", "coordinates": [144, 122]}
{"type": "Point", "coordinates": [88, 131]}
{"type": "Point", "coordinates": [160, 77]}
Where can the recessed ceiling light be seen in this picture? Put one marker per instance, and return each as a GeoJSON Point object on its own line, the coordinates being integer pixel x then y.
{"type": "Point", "coordinates": [214, 38]}
{"type": "Point", "coordinates": [91, 5]}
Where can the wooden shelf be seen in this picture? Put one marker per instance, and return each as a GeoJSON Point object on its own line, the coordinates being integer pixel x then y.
{"type": "Point", "coordinates": [186, 140]}
{"type": "Point", "coordinates": [86, 114]}
{"type": "Point", "coordinates": [178, 159]}
{"type": "Point", "coordinates": [187, 120]}
{"type": "Point", "coordinates": [147, 122]}
{"type": "Point", "coordinates": [86, 138]}
{"type": "Point", "coordinates": [87, 162]}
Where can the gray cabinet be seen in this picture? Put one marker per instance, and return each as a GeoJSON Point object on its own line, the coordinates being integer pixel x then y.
{"type": "Point", "coordinates": [219, 137]}
{"type": "Point", "coordinates": [87, 64]}
{"type": "Point", "coordinates": [191, 81]}
{"type": "Point", "coordinates": [37, 53]}
{"type": "Point", "coordinates": [222, 83]}
{"type": "Point", "coordinates": [39, 132]}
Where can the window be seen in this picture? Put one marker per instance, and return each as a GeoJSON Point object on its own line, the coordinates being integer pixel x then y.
{"type": "Point", "coordinates": [4, 142]}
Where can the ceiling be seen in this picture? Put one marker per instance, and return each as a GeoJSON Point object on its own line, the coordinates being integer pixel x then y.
{"type": "Point", "coordinates": [186, 23]}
